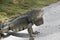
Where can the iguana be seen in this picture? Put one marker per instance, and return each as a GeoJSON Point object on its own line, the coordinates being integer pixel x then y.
{"type": "Point", "coordinates": [22, 22]}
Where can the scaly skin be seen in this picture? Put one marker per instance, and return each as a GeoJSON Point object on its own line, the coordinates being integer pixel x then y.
{"type": "Point", "coordinates": [24, 22]}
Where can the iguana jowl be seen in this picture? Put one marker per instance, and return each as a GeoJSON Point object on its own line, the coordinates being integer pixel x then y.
{"type": "Point", "coordinates": [23, 22]}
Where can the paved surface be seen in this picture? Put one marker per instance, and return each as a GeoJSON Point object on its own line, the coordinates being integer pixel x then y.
{"type": "Point", "coordinates": [50, 30]}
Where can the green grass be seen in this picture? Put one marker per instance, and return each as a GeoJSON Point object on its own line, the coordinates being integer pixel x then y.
{"type": "Point", "coordinates": [8, 9]}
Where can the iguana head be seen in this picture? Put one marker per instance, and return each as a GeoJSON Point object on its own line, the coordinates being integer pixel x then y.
{"type": "Point", "coordinates": [36, 17]}
{"type": "Point", "coordinates": [39, 18]}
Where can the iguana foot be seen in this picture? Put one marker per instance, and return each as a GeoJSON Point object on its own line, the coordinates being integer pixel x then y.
{"type": "Point", "coordinates": [35, 32]}
{"type": "Point", "coordinates": [31, 38]}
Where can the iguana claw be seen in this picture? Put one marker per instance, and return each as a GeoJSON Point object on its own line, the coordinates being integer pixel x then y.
{"type": "Point", "coordinates": [35, 32]}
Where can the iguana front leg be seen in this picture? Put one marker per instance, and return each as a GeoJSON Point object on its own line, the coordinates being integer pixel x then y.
{"type": "Point", "coordinates": [30, 31]}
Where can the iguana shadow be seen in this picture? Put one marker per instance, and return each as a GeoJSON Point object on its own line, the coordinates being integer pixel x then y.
{"type": "Point", "coordinates": [23, 35]}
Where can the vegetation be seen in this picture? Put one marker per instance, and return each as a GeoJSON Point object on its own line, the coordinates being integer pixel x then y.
{"type": "Point", "coordinates": [10, 8]}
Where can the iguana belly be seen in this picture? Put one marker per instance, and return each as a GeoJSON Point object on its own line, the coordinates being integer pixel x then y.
{"type": "Point", "coordinates": [19, 27]}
